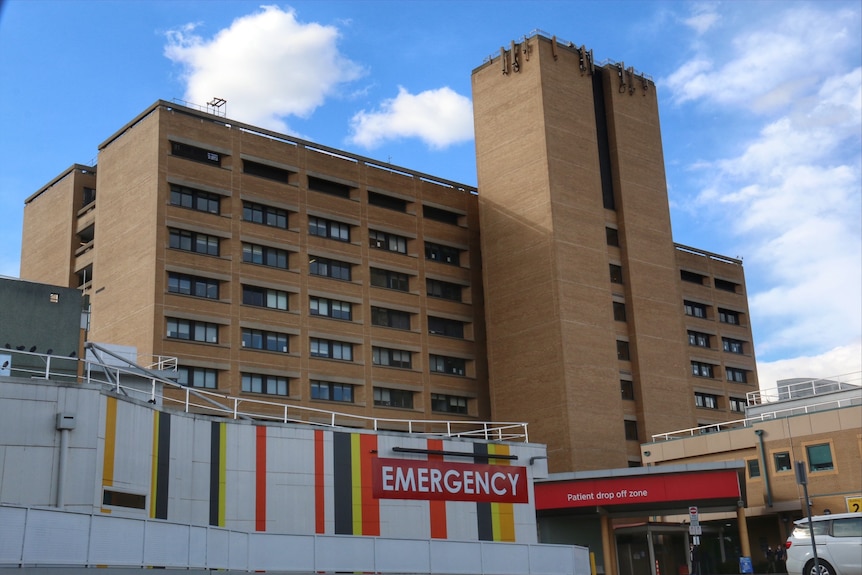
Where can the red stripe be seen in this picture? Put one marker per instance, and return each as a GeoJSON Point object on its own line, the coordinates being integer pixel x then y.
{"type": "Point", "coordinates": [260, 481]}
{"type": "Point", "coordinates": [437, 508]}
{"type": "Point", "coordinates": [319, 484]}
{"type": "Point", "coordinates": [370, 504]}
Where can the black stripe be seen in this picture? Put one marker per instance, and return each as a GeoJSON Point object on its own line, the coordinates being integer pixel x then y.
{"type": "Point", "coordinates": [163, 469]}
{"type": "Point", "coordinates": [342, 483]}
{"type": "Point", "coordinates": [483, 508]}
{"type": "Point", "coordinates": [603, 141]}
{"type": "Point", "coordinates": [215, 465]}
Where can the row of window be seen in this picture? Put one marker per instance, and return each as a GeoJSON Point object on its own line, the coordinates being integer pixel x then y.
{"type": "Point", "coordinates": [336, 309]}
{"type": "Point", "coordinates": [257, 339]}
{"type": "Point", "coordinates": [317, 266]}
{"type": "Point", "coordinates": [818, 457]}
{"type": "Point", "coordinates": [700, 279]}
{"type": "Point", "coordinates": [315, 184]}
{"type": "Point", "coordinates": [320, 390]}
{"type": "Point", "coordinates": [711, 401]}
{"type": "Point", "coordinates": [702, 311]}
{"type": "Point", "coordinates": [708, 370]}
{"type": "Point", "coordinates": [728, 344]}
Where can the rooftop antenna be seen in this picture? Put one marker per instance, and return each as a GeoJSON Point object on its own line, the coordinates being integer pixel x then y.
{"type": "Point", "coordinates": [214, 107]}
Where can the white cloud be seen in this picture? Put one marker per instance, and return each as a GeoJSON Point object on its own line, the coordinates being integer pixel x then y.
{"type": "Point", "coordinates": [791, 197]}
{"type": "Point", "coordinates": [843, 363]}
{"type": "Point", "coordinates": [703, 16]}
{"type": "Point", "coordinates": [768, 64]}
{"type": "Point", "coordinates": [439, 117]}
{"type": "Point", "coordinates": [267, 65]}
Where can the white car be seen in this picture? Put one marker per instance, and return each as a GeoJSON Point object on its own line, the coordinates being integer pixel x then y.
{"type": "Point", "coordinates": [839, 545]}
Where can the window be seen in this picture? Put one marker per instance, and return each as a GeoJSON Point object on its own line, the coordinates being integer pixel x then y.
{"type": "Point", "coordinates": [120, 499]}
{"type": "Point", "coordinates": [694, 309]}
{"type": "Point", "coordinates": [194, 242]}
{"type": "Point", "coordinates": [447, 327]}
{"type": "Point", "coordinates": [391, 357]}
{"type": "Point", "coordinates": [623, 350]}
{"type": "Point", "coordinates": [613, 236]}
{"type": "Point", "coordinates": [849, 527]}
{"type": "Point", "coordinates": [330, 308]}
{"type": "Point", "coordinates": [388, 202]}
{"type": "Point", "coordinates": [819, 457]}
{"type": "Point", "coordinates": [698, 339]}
{"type": "Point", "coordinates": [197, 377]}
{"type": "Point", "coordinates": [448, 403]}
{"type": "Point", "coordinates": [267, 384]}
{"type": "Point", "coordinates": [89, 197]}
{"type": "Point", "coordinates": [266, 171]}
{"type": "Point", "coordinates": [699, 369]}
{"type": "Point", "coordinates": [192, 330]}
{"type": "Point", "coordinates": [725, 285]}
{"type": "Point", "coordinates": [328, 187]}
{"type": "Point", "coordinates": [193, 285]}
{"type": "Point", "coordinates": [736, 375]}
{"type": "Point", "coordinates": [393, 398]}
{"type": "Point", "coordinates": [264, 297]}
{"type": "Point", "coordinates": [328, 229]}
{"type": "Point", "coordinates": [265, 256]}
{"type": "Point", "coordinates": [390, 280]}
{"type": "Point", "coordinates": [706, 400]}
{"type": "Point", "coordinates": [329, 268]}
{"type": "Point", "coordinates": [445, 364]}
{"type": "Point", "coordinates": [440, 215]}
{"type": "Point", "coordinates": [728, 316]}
{"type": "Point", "coordinates": [616, 274]}
{"type": "Point", "coordinates": [619, 311]}
{"type": "Point", "coordinates": [627, 389]}
{"type": "Point", "coordinates": [265, 340]}
{"type": "Point", "coordinates": [692, 277]}
{"type": "Point", "coordinates": [387, 241]}
{"type": "Point", "coordinates": [329, 391]}
{"type": "Point", "coordinates": [631, 429]}
{"type": "Point", "coordinates": [194, 153]}
{"type": "Point", "coordinates": [266, 215]}
{"type": "Point", "coordinates": [444, 290]}
{"type": "Point", "coordinates": [442, 254]}
{"type": "Point", "coordinates": [390, 318]}
{"type": "Point", "coordinates": [737, 404]}
{"type": "Point", "coordinates": [782, 461]}
{"type": "Point", "coordinates": [753, 468]}
{"type": "Point", "coordinates": [331, 349]}
{"type": "Point", "coordinates": [195, 199]}
{"type": "Point", "coordinates": [731, 345]}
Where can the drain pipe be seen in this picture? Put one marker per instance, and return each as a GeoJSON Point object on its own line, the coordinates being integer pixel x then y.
{"type": "Point", "coordinates": [65, 423]}
{"type": "Point", "coordinates": [764, 470]}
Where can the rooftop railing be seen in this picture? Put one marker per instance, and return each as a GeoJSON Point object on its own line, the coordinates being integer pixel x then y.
{"type": "Point", "coordinates": [783, 398]}
{"type": "Point", "coordinates": [153, 384]}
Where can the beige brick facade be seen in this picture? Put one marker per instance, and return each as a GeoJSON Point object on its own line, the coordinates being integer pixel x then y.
{"type": "Point", "coordinates": [568, 310]}
{"type": "Point", "coordinates": [567, 151]}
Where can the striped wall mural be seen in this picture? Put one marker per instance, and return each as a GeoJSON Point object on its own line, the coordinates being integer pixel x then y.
{"type": "Point", "coordinates": [496, 521]}
{"type": "Point", "coordinates": [160, 483]}
{"type": "Point", "coordinates": [218, 467]}
{"type": "Point", "coordinates": [269, 478]}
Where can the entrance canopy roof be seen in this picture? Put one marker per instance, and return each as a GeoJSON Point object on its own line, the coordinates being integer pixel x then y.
{"type": "Point", "coordinates": [666, 490]}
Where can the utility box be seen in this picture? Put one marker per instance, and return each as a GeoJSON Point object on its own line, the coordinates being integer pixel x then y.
{"type": "Point", "coordinates": [66, 421]}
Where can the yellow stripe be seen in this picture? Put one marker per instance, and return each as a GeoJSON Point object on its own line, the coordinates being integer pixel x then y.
{"type": "Point", "coordinates": [110, 444]}
{"type": "Point", "coordinates": [222, 473]}
{"type": "Point", "coordinates": [155, 464]}
{"type": "Point", "coordinates": [502, 514]}
{"type": "Point", "coordinates": [356, 481]}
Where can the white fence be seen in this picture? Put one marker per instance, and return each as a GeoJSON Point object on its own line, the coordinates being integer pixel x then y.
{"type": "Point", "coordinates": [51, 537]}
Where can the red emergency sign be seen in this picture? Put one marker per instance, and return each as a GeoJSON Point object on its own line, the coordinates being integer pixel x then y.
{"type": "Point", "coordinates": [447, 481]}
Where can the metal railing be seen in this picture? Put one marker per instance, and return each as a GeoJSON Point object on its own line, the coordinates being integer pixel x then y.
{"type": "Point", "coordinates": [807, 388]}
{"type": "Point", "coordinates": [125, 377]}
{"type": "Point", "coordinates": [766, 416]}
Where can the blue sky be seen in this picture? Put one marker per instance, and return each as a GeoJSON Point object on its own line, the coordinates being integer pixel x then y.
{"type": "Point", "coordinates": [760, 104]}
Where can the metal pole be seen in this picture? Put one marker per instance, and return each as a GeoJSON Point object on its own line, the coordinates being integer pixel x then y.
{"type": "Point", "coordinates": [802, 479]}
